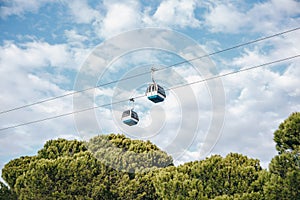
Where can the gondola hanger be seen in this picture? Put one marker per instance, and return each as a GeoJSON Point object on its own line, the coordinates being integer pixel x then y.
{"type": "Point", "coordinates": [155, 92]}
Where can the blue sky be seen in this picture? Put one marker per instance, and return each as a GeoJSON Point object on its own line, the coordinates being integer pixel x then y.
{"type": "Point", "coordinates": [45, 45]}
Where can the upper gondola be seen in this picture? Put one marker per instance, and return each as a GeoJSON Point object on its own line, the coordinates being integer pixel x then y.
{"type": "Point", "coordinates": [155, 92]}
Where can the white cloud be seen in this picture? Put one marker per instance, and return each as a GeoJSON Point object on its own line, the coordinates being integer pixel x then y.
{"type": "Point", "coordinates": [257, 102]}
{"type": "Point", "coordinates": [19, 7]}
{"type": "Point", "coordinates": [267, 17]}
{"type": "Point", "coordinates": [23, 70]}
{"type": "Point", "coordinates": [34, 54]}
{"type": "Point", "coordinates": [120, 16]}
{"type": "Point", "coordinates": [225, 18]}
{"type": "Point", "coordinates": [75, 39]}
{"type": "Point", "coordinates": [20, 74]}
{"type": "Point", "coordinates": [269, 50]}
{"type": "Point", "coordinates": [82, 12]}
{"type": "Point", "coordinates": [38, 55]}
{"type": "Point", "coordinates": [127, 15]}
{"type": "Point", "coordinates": [274, 15]}
{"type": "Point", "coordinates": [24, 67]}
{"type": "Point", "coordinates": [260, 99]}
{"type": "Point", "coordinates": [179, 13]}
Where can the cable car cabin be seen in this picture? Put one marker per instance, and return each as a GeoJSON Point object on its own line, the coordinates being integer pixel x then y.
{"type": "Point", "coordinates": [155, 93]}
{"type": "Point", "coordinates": [130, 117]}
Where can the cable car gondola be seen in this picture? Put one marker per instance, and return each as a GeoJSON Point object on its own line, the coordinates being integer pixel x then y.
{"type": "Point", "coordinates": [130, 117]}
{"type": "Point", "coordinates": [155, 92]}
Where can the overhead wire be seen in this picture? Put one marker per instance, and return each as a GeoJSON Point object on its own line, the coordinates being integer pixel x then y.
{"type": "Point", "coordinates": [235, 72]}
{"type": "Point", "coordinates": [140, 74]}
{"type": "Point", "coordinates": [137, 97]}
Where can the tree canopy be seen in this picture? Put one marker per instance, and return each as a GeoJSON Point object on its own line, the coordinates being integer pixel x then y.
{"type": "Point", "coordinates": [287, 136]}
{"type": "Point", "coordinates": [128, 155]}
{"type": "Point", "coordinates": [284, 182]}
{"type": "Point", "coordinates": [65, 169]}
{"type": "Point", "coordinates": [116, 167]}
{"type": "Point", "coordinates": [6, 193]}
{"type": "Point", "coordinates": [215, 176]}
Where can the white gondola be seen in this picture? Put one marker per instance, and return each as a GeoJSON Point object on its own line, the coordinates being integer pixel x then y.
{"type": "Point", "coordinates": [130, 117]}
{"type": "Point", "coordinates": [155, 92]}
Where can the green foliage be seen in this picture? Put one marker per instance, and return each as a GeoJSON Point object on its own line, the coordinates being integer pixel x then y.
{"type": "Point", "coordinates": [124, 154]}
{"type": "Point", "coordinates": [63, 178]}
{"type": "Point", "coordinates": [61, 147]}
{"type": "Point", "coordinates": [139, 187]}
{"type": "Point", "coordinates": [284, 163]}
{"type": "Point", "coordinates": [284, 182]}
{"type": "Point", "coordinates": [6, 193]}
{"type": "Point", "coordinates": [66, 170]}
{"type": "Point", "coordinates": [285, 177]}
{"type": "Point", "coordinates": [16, 168]}
{"type": "Point", "coordinates": [234, 174]}
{"type": "Point", "coordinates": [215, 176]}
{"type": "Point", "coordinates": [287, 137]}
{"type": "Point", "coordinates": [127, 144]}
{"type": "Point", "coordinates": [115, 167]}
{"type": "Point", "coordinates": [244, 196]}
{"type": "Point", "coordinates": [171, 183]}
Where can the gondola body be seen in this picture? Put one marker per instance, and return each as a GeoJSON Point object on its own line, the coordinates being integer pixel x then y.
{"type": "Point", "coordinates": [130, 117]}
{"type": "Point", "coordinates": [155, 93]}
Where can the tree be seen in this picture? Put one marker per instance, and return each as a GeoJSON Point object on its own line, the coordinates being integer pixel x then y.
{"type": "Point", "coordinates": [16, 168]}
{"type": "Point", "coordinates": [285, 177]}
{"type": "Point", "coordinates": [284, 182]}
{"type": "Point", "coordinates": [66, 178]}
{"type": "Point", "coordinates": [171, 183]}
{"type": "Point", "coordinates": [287, 136]}
{"type": "Point", "coordinates": [61, 170]}
{"type": "Point", "coordinates": [124, 154]}
{"type": "Point", "coordinates": [207, 179]}
{"type": "Point", "coordinates": [140, 187]}
{"type": "Point", "coordinates": [6, 193]}
{"type": "Point", "coordinates": [135, 169]}
{"type": "Point", "coordinates": [65, 169]}
{"type": "Point", "coordinates": [61, 147]}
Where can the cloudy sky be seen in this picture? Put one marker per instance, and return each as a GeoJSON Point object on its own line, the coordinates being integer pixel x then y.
{"type": "Point", "coordinates": [53, 47]}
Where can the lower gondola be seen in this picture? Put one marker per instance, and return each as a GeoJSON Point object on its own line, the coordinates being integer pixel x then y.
{"type": "Point", "coordinates": [130, 117]}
